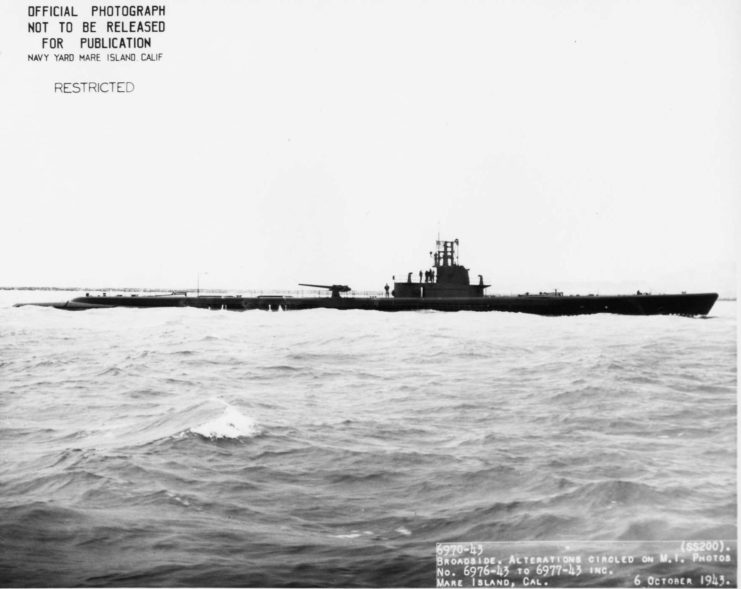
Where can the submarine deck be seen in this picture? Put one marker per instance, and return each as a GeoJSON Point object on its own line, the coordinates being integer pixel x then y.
{"type": "Point", "coordinates": [540, 304]}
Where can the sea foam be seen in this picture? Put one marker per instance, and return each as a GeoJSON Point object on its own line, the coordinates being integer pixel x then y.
{"type": "Point", "coordinates": [230, 424]}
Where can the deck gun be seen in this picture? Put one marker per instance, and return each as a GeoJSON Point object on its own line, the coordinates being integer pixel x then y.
{"type": "Point", "coordinates": [335, 289]}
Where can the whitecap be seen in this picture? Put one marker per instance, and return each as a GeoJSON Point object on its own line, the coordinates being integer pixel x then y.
{"type": "Point", "coordinates": [403, 531]}
{"type": "Point", "coordinates": [230, 424]}
{"type": "Point", "coordinates": [178, 499]}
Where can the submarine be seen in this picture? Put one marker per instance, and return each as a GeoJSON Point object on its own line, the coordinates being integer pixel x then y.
{"type": "Point", "coordinates": [445, 286]}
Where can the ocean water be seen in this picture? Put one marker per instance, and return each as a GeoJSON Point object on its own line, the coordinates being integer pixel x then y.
{"type": "Point", "coordinates": [170, 447]}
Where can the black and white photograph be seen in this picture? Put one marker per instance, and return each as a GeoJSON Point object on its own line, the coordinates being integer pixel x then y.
{"type": "Point", "coordinates": [369, 293]}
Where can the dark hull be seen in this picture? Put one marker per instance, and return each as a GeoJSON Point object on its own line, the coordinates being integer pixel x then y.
{"type": "Point", "coordinates": [671, 304]}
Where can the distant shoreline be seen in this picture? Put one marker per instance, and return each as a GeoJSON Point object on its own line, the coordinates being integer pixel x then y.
{"type": "Point", "coordinates": [160, 290]}
{"type": "Point", "coordinates": [108, 288]}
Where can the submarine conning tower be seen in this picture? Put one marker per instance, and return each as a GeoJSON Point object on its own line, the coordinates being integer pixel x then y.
{"type": "Point", "coordinates": [445, 279]}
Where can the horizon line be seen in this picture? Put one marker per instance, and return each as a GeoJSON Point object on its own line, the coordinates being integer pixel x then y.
{"type": "Point", "coordinates": [247, 290]}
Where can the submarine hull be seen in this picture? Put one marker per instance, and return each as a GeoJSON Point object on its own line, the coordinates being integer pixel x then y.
{"type": "Point", "coordinates": [555, 305]}
{"type": "Point", "coordinates": [446, 287]}
{"type": "Point", "coordinates": [680, 304]}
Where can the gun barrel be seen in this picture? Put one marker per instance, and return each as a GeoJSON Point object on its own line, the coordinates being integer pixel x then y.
{"type": "Point", "coordinates": [335, 289]}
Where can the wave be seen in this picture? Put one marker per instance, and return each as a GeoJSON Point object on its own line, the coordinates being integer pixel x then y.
{"type": "Point", "coordinates": [399, 531]}
{"type": "Point", "coordinates": [231, 424]}
{"type": "Point", "coordinates": [212, 418]}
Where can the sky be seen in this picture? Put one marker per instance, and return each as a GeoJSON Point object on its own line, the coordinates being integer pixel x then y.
{"type": "Point", "coordinates": [576, 145]}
